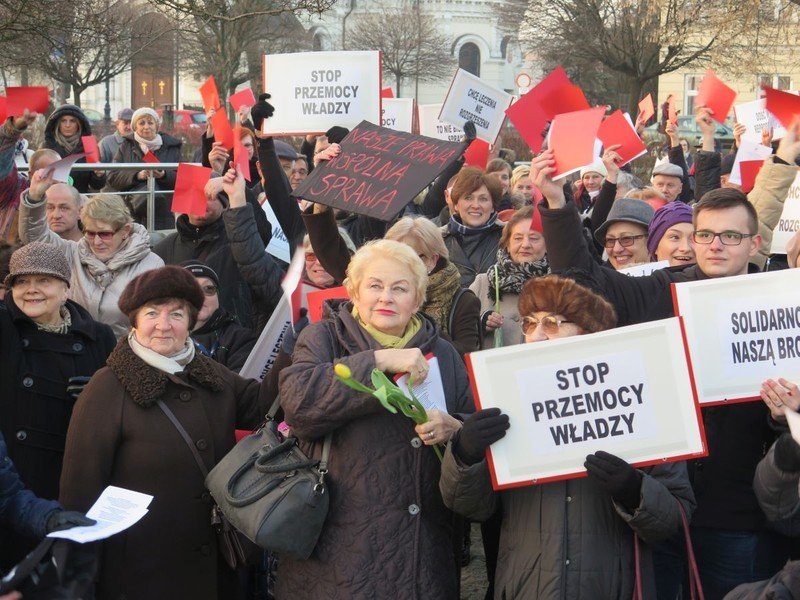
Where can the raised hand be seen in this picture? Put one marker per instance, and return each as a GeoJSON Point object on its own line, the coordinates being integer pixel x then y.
{"type": "Point", "coordinates": [542, 169]}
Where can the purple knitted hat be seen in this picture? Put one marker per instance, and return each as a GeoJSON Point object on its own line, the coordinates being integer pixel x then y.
{"type": "Point", "coordinates": [664, 218]}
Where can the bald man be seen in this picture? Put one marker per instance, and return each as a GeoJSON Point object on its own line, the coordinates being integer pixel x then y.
{"type": "Point", "coordinates": [63, 210]}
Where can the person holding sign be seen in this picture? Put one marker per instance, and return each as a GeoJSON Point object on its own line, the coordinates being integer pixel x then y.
{"type": "Point", "coordinates": [63, 133]}
{"type": "Point", "coordinates": [575, 535]}
{"type": "Point", "coordinates": [387, 531]}
{"type": "Point", "coordinates": [473, 234]}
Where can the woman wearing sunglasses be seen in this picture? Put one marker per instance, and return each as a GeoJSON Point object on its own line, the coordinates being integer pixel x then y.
{"type": "Point", "coordinates": [570, 539]}
{"type": "Point", "coordinates": [113, 250]}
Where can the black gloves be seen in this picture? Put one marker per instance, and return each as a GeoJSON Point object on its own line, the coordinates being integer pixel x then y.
{"type": "Point", "coordinates": [291, 335]}
{"type": "Point", "coordinates": [481, 429]}
{"type": "Point", "coordinates": [67, 519]}
{"type": "Point", "coordinates": [469, 132]}
{"type": "Point", "coordinates": [262, 110]}
{"type": "Point", "coordinates": [787, 453]}
{"type": "Point", "coordinates": [76, 384]}
{"type": "Point", "coordinates": [616, 477]}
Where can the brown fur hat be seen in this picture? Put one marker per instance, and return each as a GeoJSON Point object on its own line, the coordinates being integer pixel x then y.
{"type": "Point", "coordinates": [167, 282]}
{"type": "Point", "coordinates": [563, 296]}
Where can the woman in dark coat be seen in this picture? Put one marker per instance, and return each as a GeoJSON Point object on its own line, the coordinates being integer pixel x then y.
{"type": "Point", "coordinates": [50, 347]}
{"type": "Point", "coordinates": [120, 435]}
{"type": "Point", "coordinates": [145, 139]}
{"type": "Point", "coordinates": [63, 133]}
{"type": "Point", "coordinates": [387, 534]}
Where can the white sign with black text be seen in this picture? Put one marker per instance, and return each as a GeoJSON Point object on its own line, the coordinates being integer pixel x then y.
{"type": "Point", "coordinates": [397, 114]}
{"type": "Point", "coordinates": [471, 99]}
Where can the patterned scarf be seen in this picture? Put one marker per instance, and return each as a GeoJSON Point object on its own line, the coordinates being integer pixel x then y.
{"type": "Point", "coordinates": [131, 251]}
{"type": "Point", "coordinates": [513, 275]}
{"type": "Point", "coordinates": [68, 143]}
{"type": "Point", "coordinates": [442, 288]}
{"type": "Point", "coordinates": [63, 327]}
{"type": "Point", "coordinates": [456, 226]}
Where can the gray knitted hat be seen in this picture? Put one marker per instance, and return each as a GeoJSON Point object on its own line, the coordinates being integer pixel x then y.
{"type": "Point", "coordinates": [38, 258]}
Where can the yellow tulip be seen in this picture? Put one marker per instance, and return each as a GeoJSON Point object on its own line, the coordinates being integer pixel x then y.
{"type": "Point", "coordinates": [342, 370]}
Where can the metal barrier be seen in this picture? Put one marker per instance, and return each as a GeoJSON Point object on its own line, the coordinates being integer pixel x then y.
{"type": "Point", "coordinates": [151, 182]}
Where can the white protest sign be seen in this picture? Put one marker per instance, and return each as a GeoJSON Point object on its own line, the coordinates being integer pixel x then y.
{"type": "Point", "coordinates": [278, 244]}
{"type": "Point", "coordinates": [626, 391]}
{"type": "Point", "coordinates": [789, 222]}
{"type": "Point", "coordinates": [313, 91]}
{"type": "Point", "coordinates": [747, 151]}
{"type": "Point", "coordinates": [470, 99]}
{"type": "Point", "coordinates": [431, 126]}
{"type": "Point", "coordinates": [644, 269]}
{"type": "Point", "coordinates": [756, 118]}
{"type": "Point", "coordinates": [397, 113]}
{"type": "Point", "coordinates": [740, 331]}
{"type": "Point", "coordinates": [263, 354]}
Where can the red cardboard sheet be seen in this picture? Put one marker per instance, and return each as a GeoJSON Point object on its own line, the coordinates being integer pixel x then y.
{"type": "Point", "coordinates": [315, 300]}
{"type": "Point", "coordinates": [210, 95]}
{"type": "Point", "coordinates": [149, 157]}
{"type": "Point", "coordinates": [244, 97]}
{"type": "Point", "coordinates": [240, 156]}
{"type": "Point", "coordinates": [672, 111]}
{"type": "Point", "coordinates": [646, 109]}
{"type": "Point", "coordinates": [563, 99]}
{"type": "Point", "coordinates": [189, 197]}
{"type": "Point", "coordinates": [35, 99]}
{"type": "Point", "coordinates": [477, 155]}
{"type": "Point", "coordinates": [222, 128]}
{"type": "Point", "coordinates": [572, 138]}
{"type": "Point", "coordinates": [617, 130]}
{"type": "Point", "coordinates": [783, 105]}
{"type": "Point", "coordinates": [387, 93]}
{"type": "Point", "coordinates": [749, 169]}
{"type": "Point", "coordinates": [715, 95]}
{"type": "Point", "coordinates": [3, 109]}
{"type": "Point", "coordinates": [90, 148]}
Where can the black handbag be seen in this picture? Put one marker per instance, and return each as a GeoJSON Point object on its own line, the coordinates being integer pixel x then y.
{"type": "Point", "coordinates": [272, 492]}
{"type": "Point", "coordinates": [234, 549]}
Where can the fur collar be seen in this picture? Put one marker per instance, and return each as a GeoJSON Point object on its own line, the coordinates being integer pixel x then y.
{"type": "Point", "coordinates": [147, 385]}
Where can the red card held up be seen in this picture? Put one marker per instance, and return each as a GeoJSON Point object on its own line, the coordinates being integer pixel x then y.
{"type": "Point", "coordinates": [149, 157]}
{"type": "Point", "coordinates": [572, 138]}
{"type": "Point", "coordinates": [617, 130]}
{"type": "Point", "coordinates": [672, 111]}
{"type": "Point", "coordinates": [715, 95]}
{"type": "Point", "coordinates": [189, 197]}
{"type": "Point", "coordinates": [90, 148]}
{"type": "Point", "coordinates": [315, 300]}
{"type": "Point", "coordinates": [477, 154]}
{"type": "Point", "coordinates": [222, 128]}
{"type": "Point", "coordinates": [566, 98]}
{"type": "Point", "coordinates": [3, 109]}
{"type": "Point", "coordinates": [210, 95]}
{"type": "Point", "coordinates": [241, 159]}
{"type": "Point", "coordinates": [646, 109]}
{"type": "Point", "coordinates": [241, 98]}
{"type": "Point", "coordinates": [783, 105]}
{"type": "Point", "coordinates": [528, 116]}
{"type": "Point", "coordinates": [749, 169]}
{"type": "Point", "coordinates": [387, 93]}
{"type": "Point", "coordinates": [35, 99]}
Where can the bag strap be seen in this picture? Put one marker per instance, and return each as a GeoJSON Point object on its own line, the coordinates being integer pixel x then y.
{"type": "Point", "coordinates": [637, 562]}
{"type": "Point", "coordinates": [695, 585]}
{"type": "Point", "coordinates": [174, 420]}
{"type": "Point", "coordinates": [326, 445]}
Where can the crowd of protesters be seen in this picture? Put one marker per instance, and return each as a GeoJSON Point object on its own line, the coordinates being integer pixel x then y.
{"type": "Point", "coordinates": [104, 323]}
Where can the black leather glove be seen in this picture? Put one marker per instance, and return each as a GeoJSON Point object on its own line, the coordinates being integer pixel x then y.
{"type": "Point", "coordinates": [614, 475]}
{"type": "Point", "coordinates": [787, 453]}
{"type": "Point", "coordinates": [470, 132]}
{"type": "Point", "coordinates": [76, 384]}
{"type": "Point", "coordinates": [291, 335]}
{"type": "Point", "coordinates": [481, 429]}
{"type": "Point", "coordinates": [67, 519]}
{"type": "Point", "coordinates": [262, 110]}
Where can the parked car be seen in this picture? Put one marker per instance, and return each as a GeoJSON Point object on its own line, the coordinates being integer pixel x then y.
{"type": "Point", "coordinates": [185, 123]}
{"type": "Point", "coordinates": [687, 128]}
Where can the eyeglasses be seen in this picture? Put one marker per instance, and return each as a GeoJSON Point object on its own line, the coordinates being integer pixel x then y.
{"type": "Point", "coordinates": [550, 324]}
{"type": "Point", "coordinates": [103, 235]}
{"type": "Point", "coordinates": [626, 241]}
{"type": "Point", "coordinates": [209, 290]}
{"type": "Point", "coordinates": [727, 238]}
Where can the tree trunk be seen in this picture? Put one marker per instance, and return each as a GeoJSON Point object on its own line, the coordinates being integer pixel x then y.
{"type": "Point", "coordinates": [398, 78]}
{"type": "Point", "coordinates": [76, 95]}
{"type": "Point", "coordinates": [634, 90]}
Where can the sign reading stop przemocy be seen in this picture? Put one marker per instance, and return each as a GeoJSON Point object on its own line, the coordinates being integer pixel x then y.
{"type": "Point", "coordinates": [378, 171]}
{"type": "Point", "coordinates": [313, 91]}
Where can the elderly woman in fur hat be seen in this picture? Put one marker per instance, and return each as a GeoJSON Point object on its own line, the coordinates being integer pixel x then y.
{"type": "Point", "coordinates": [122, 433]}
{"type": "Point", "coordinates": [145, 139]}
{"type": "Point", "coordinates": [575, 538]}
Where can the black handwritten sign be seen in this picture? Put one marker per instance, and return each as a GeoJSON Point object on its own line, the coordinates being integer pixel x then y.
{"type": "Point", "coordinates": [379, 171]}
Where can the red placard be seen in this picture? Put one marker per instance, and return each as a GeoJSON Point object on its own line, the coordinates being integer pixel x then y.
{"type": "Point", "coordinates": [35, 99]}
{"type": "Point", "coordinates": [646, 109]}
{"type": "Point", "coordinates": [749, 170]}
{"type": "Point", "coordinates": [149, 157]}
{"type": "Point", "coordinates": [783, 105]}
{"type": "Point", "coordinates": [241, 157]}
{"type": "Point", "coordinates": [222, 128]}
{"type": "Point", "coordinates": [572, 138]}
{"type": "Point", "coordinates": [715, 95]}
{"type": "Point", "coordinates": [477, 155]}
{"type": "Point", "coordinates": [244, 97]}
{"type": "Point", "coordinates": [387, 93]}
{"type": "Point", "coordinates": [189, 197]}
{"type": "Point", "coordinates": [315, 300]}
{"type": "Point", "coordinates": [617, 130]}
{"type": "Point", "coordinates": [3, 109]}
{"type": "Point", "coordinates": [672, 111]}
{"type": "Point", "coordinates": [210, 95]}
{"type": "Point", "coordinates": [563, 99]}
{"type": "Point", "coordinates": [90, 148]}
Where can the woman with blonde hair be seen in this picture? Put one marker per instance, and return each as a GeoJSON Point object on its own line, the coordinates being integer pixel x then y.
{"type": "Point", "coordinates": [113, 250]}
{"type": "Point", "coordinates": [522, 190]}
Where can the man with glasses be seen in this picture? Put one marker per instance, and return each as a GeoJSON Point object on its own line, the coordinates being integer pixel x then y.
{"type": "Point", "coordinates": [624, 234]}
{"type": "Point", "coordinates": [732, 545]}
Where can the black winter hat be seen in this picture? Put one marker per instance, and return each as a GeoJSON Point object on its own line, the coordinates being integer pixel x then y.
{"type": "Point", "coordinates": [171, 281]}
{"type": "Point", "coordinates": [200, 269]}
{"type": "Point", "coordinates": [336, 134]}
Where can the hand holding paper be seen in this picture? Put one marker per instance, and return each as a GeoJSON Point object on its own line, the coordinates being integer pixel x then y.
{"type": "Point", "coordinates": [542, 169]}
{"type": "Point", "coordinates": [780, 397]}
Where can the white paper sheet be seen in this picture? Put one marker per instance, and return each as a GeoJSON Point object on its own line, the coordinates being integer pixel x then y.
{"type": "Point", "coordinates": [115, 510]}
{"type": "Point", "coordinates": [61, 168]}
{"type": "Point", "coordinates": [429, 392]}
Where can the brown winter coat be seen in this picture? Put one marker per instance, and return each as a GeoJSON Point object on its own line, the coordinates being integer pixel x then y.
{"type": "Point", "coordinates": [387, 534]}
{"type": "Point", "coordinates": [118, 436]}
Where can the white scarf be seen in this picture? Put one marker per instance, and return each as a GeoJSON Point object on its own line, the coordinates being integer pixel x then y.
{"type": "Point", "coordinates": [151, 145]}
{"type": "Point", "coordinates": [169, 364]}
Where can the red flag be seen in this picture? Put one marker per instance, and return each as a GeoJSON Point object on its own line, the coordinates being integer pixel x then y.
{"type": "Point", "coordinates": [222, 128]}
{"type": "Point", "coordinates": [90, 148]}
{"type": "Point", "coordinates": [783, 105]}
{"type": "Point", "coordinates": [189, 197]}
{"type": "Point", "coordinates": [240, 155]}
{"type": "Point", "coordinates": [617, 130]}
{"type": "Point", "coordinates": [717, 96]}
{"type": "Point", "coordinates": [477, 154]}
{"type": "Point", "coordinates": [244, 97]}
{"type": "Point", "coordinates": [209, 94]}
{"type": "Point", "coordinates": [35, 99]}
